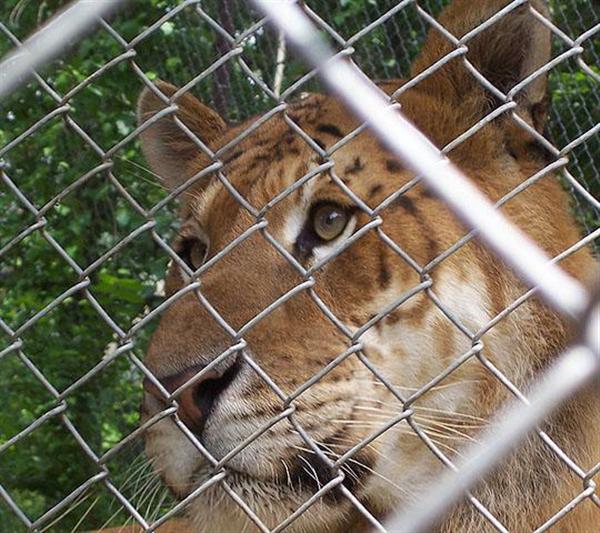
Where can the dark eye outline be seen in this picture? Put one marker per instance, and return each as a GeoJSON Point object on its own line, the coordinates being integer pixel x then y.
{"type": "Point", "coordinates": [186, 249]}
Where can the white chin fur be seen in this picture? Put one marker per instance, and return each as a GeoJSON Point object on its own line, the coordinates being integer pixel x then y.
{"type": "Point", "coordinates": [216, 512]}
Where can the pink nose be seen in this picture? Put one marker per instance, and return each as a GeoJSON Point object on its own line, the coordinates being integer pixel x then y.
{"type": "Point", "coordinates": [196, 400]}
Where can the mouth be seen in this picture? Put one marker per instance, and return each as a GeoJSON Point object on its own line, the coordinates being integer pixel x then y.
{"type": "Point", "coordinates": [297, 488]}
{"type": "Point", "coordinates": [302, 477]}
{"type": "Point", "coordinates": [295, 472]}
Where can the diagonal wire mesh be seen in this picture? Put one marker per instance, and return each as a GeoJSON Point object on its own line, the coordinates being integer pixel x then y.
{"type": "Point", "coordinates": [72, 178]}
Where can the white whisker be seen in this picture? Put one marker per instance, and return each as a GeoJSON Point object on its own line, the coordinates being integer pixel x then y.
{"type": "Point", "coordinates": [287, 470]}
{"type": "Point", "coordinates": [314, 474]}
{"type": "Point", "coordinates": [76, 503]}
{"type": "Point", "coordinates": [84, 515]}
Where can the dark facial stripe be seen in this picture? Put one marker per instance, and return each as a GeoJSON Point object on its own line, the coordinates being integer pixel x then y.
{"type": "Point", "coordinates": [407, 204]}
{"type": "Point", "coordinates": [232, 156]}
{"type": "Point", "coordinates": [427, 232]}
{"type": "Point", "coordinates": [426, 193]}
{"type": "Point", "coordinates": [320, 144]}
{"type": "Point", "coordinates": [356, 166]}
{"type": "Point", "coordinates": [392, 165]}
{"type": "Point", "coordinates": [375, 190]}
{"type": "Point", "coordinates": [330, 129]}
{"type": "Point", "coordinates": [384, 273]}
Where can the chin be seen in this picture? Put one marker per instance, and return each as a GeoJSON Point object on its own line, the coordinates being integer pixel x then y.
{"type": "Point", "coordinates": [272, 503]}
{"type": "Point", "coordinates": [216, 503]}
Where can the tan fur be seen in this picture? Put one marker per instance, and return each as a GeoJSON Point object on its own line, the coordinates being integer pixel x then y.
{"type": "Point", "coordinates": [411, 345]}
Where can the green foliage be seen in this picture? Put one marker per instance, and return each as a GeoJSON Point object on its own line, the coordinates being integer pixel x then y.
{"type": "Point", "coordinates": [43, 468]}
{"type": "Point", "coordinates": [66, 343]}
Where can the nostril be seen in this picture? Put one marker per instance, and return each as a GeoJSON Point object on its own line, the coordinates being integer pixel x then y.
{"type": "Point", "coordinates": [207, 391]}
{"type": "Point", "coordinates": [195, 400]}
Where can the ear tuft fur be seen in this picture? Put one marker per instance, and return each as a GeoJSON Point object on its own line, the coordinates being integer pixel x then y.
{"type": "Point", "coordinates": [169, 150]}
{"type": "Point", "coordinates": [505, 52]}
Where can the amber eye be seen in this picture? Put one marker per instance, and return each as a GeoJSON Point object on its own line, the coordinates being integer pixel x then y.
{"type": "Point", "coordinates": [193, 252]}
{"type": "Point", "coordinates": [329, 221]}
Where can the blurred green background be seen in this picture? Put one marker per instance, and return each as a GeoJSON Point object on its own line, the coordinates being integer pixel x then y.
{"type": "Point", "coordinates": [44, 467]}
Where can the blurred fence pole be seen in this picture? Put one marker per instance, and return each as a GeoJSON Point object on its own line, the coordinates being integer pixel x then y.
{"type": "Point", "coordinates": [51, 41]}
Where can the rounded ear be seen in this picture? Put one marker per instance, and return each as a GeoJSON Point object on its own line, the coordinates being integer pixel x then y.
{"type": "Point", "coordinates": [168, 149]}
{"type": "Point", "coordinates": [506, 52]}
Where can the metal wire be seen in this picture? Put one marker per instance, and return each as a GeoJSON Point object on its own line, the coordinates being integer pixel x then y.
{"type": "Point", "coordinates": [51, 41]}
{"type": "Point", "coordinates": [303, 29]}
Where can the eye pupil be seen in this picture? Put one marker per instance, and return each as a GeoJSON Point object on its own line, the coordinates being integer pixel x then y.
{"type": "Point", "coordinates": [331, 218]}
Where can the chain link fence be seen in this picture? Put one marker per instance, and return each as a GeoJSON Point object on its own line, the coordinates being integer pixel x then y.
{"type": "Point", "coordinates": [85, 244]}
